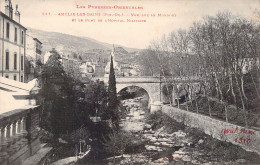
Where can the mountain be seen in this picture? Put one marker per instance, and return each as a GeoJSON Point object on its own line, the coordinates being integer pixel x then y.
{"type": "Point", "coordinates": [68, 43]}
{"type": "Point", "coordinates": [110, 46]}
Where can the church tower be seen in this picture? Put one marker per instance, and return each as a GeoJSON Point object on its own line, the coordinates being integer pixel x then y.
{"type": "Point", "coordinates": [116, 66]}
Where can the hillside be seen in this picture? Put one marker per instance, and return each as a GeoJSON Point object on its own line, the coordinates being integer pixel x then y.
{"type": "Point", "coordinates": [70, 43]}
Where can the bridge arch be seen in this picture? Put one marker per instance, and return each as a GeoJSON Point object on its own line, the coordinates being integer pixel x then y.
{"type": "Point", "coordinates": [153, 91]}
{"type": "Point", "coordinates": [149, 95]}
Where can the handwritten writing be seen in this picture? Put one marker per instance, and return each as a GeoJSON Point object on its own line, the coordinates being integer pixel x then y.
{"type": "Point", "coordinates": [240, 132]}
{"type": "Point", "coordinates": [235, 131]}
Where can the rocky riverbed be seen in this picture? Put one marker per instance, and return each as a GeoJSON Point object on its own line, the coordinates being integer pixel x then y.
{"type": "Point", "coordinates": [157, 144]}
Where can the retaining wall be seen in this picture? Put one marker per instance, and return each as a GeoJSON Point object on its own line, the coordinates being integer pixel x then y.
{"type": "Point", "coordinates": [217, 129]}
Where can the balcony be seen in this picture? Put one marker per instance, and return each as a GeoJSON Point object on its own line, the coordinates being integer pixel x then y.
{"type": "Point", "coordinates": [19, 135]}
{"type": "Point", "coordinates": [19, 121]}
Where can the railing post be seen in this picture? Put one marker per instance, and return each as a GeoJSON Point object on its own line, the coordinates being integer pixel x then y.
{"type": "Point", "coordinates": [8, 134]}
{"type": "Point", "coordinates": [14, 137]}
{"type": "Point", "coordinates": [23, 133]}
{"type": "Point", "coordinates": [3, 145]}
{"type": "Point", "coordinates": [23, 127]}
{"type": "Point", "coordinates": [19, 134]}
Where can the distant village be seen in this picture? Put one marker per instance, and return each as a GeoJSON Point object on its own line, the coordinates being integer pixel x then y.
{"type": "Point", "coordinates": [22, 55]}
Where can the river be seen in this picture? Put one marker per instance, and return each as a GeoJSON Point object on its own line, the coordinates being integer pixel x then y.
{"type": "Point", "coordinates": [160, 147]}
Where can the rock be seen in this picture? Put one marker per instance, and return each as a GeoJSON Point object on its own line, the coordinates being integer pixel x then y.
{"type": "Point", "coordinates": [161, 161]}
{"type": "Point", "coordinates": [160, 130]}
{"type": "Point", "coordinates": [166, 144]}
{"type": "Point", "coordinates": [153, 139]}
{"type": "Point", "coordinates": [180, 163]}
{"type": "Point", "coordinates": [151, 148]}
{"type": "Point", "coordinates": [164, 140]}
{"type": "Point", "coordinates": [152, 132]}
{"type": "Point", "coordinates": [241, 161]}
{"type": "Point", "coordinates": [177, 156]}
{"type": "Point", "coordinates": [180, 134]}
{"type": "Point", "coordinates": [180, 152]}
{"type": "Point", "coordinates": [157, 143]}
{"type": "Point", "coordinates": [62, 141]}
{"type": "Point", "coordinates": [200, 141]}
{"type": "Point", "coordinates": [147, 126]}
{"type": "Point", "coordinates": [162, 135]}
{"type": "Point", "coordinates": [186, 158]}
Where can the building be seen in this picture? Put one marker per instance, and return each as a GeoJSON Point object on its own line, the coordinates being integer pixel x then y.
{"type": "Point", "coordinates": [12, 44]}
{"type": "Point", "coordinates": [117, 68]}
{"type": "Point", "coordinates": [87, 69]}
{"type": "Point", "coordinates": [34, 49]}
{"type": "Point", "coordinates": [100, 69]}
{"type": "Point", "coordinates": [91, 68]}
{"type": "Point", "coordinates": [33, 58]}
{"type": "Point", "coordinates": [71, 62]}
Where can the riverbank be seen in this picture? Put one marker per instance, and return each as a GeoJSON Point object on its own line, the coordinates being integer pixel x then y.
{"type": "Point", "coordinates": [162, 140]}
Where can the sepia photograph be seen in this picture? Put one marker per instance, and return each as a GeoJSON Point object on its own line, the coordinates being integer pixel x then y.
{"type": "Point", "coordinates": [129, 82]}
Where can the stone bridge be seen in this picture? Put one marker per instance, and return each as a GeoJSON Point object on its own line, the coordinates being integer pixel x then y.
{"type": "Point", "coordinates": [153, 85]}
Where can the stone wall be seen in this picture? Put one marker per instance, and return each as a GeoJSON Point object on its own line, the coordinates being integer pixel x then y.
{"type": "Point", "coordinates": [217, 129]}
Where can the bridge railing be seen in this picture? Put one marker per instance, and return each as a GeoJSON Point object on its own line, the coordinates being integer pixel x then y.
{"type": "Point", "coordinates": [18, 128]}
{"type": "Point", "coordinates": [152, 78]}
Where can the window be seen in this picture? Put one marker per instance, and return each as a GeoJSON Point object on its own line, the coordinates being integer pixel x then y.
{"type": "Point", "coordinates": [22, 38]}
{"type": "Point", "coordinates": [7, 60]}
{"type": "Point", "coordinates": [21, 62]}
{"type": "Point", "coordinates": [15, 34]}
{"type": "Point", "coordinates": [21, 78]}
{"type": "Point", "coordinates": [15, 77]}
{"type": "Point", "coordinates": [7, 30]}
{"type": "Point", "coordinates": [15, 61]}
{"type": "Point", "coordinates": [6, 76]}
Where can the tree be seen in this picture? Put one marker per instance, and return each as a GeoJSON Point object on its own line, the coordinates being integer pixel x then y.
{"type": "Point", "coordinates": [217, 50]}
{"type": "Point", "coordinates": [116, 143]}
{"type": "Point", "coordinates": [112, 96]}
{"type": "Point", "coordinates": [56, 97]}
{"type": "Point", "coordinates": [96, 97]}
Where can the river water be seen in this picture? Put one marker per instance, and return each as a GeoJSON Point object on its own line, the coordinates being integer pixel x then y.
{"type": "Point", "coordinates": [160, 147]}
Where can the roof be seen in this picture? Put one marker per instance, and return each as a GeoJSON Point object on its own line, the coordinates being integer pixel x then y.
{"type": "Point", "coordinates": [15, 94]}
{"type": "Point", "coordinates": [36, 39]}
{"type": "Point", "coordinates": [13, 21]}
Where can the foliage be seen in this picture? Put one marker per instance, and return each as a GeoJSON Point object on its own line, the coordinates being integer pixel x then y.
{"type": "Point", "coordinates": [64, 98]}
{"type": "Point", "coordinates": [96, 97]}
{"type": "Point", "coordinates": [116, 143]}
{"type": "Point", "coordinates": [112, 96]}
{"type": "Point", "coordinates": [55, 96]}
{"type": "Point", "coordinates": [222, 51]}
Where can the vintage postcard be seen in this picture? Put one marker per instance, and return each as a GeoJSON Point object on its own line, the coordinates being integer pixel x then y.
{"type": "Point", "coordinates": [129, 82]}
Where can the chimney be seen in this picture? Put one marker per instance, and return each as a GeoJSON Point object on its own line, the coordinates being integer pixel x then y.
{"type": "Point", "coordinates": [11, 11]}
{"type": "Point", "coordinates": [8, 8]}
{"type": "Point", "coordinates": [17, 15]}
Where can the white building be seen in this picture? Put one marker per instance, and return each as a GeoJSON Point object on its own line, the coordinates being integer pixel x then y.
{"type": "Point", "coordinates": [12, 44]}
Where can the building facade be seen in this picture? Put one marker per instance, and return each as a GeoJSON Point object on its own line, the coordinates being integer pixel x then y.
{"type": "Point", "coordinates": [33, 58]}
{"type": "Point", "coordinates": [12, 44]}
{"type": "Point", "coordinates": [34, 49]}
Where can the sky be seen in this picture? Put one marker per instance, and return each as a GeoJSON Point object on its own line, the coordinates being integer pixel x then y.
{"type": "Point", "coordinates": [129, 34]}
